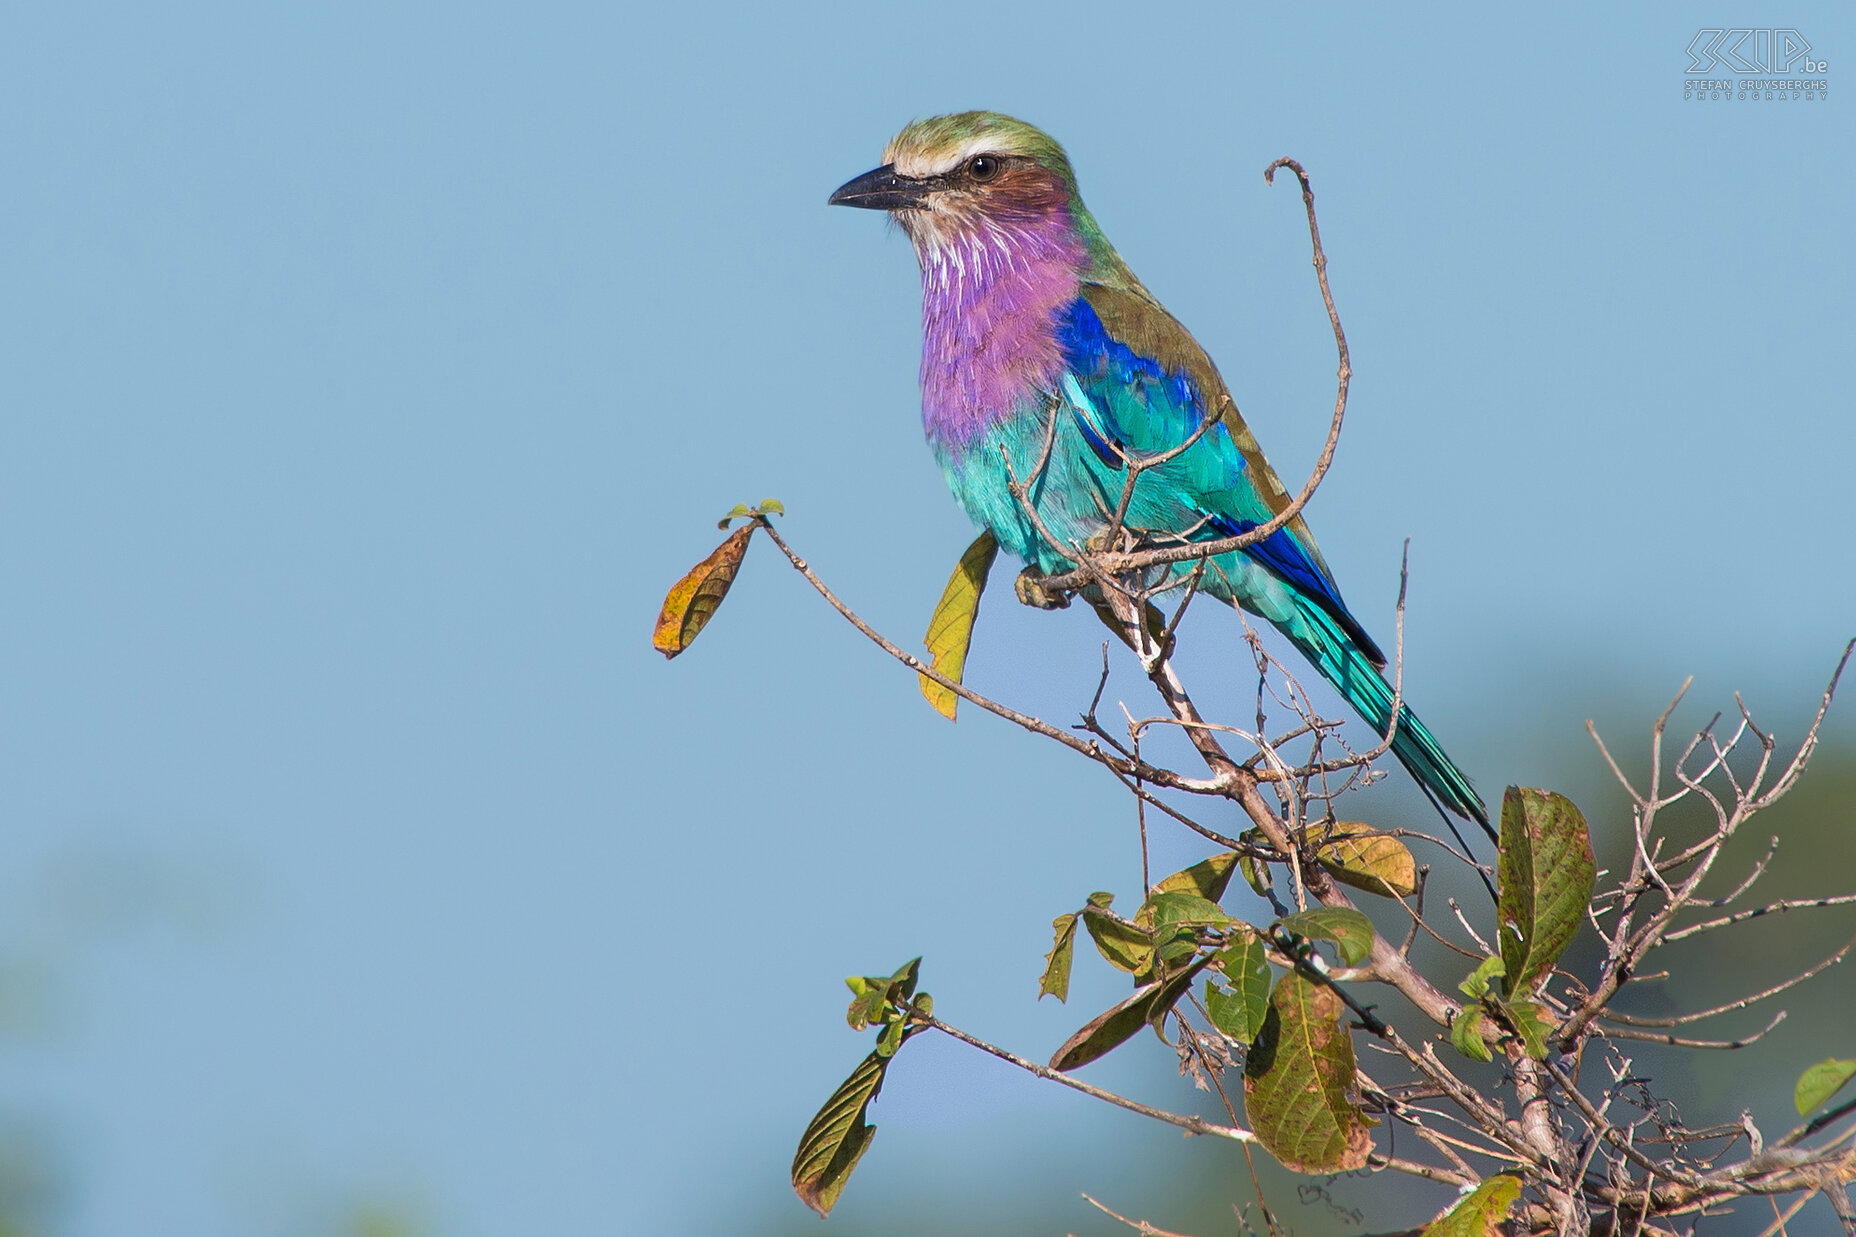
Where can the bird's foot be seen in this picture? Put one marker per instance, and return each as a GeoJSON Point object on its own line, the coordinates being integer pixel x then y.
{"type": "Point", "coordinates": [1031, 591]}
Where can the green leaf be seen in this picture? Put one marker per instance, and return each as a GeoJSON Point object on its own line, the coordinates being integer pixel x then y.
{"type": "Point", "coordinates": [1230, 1013]}
{"type": "Point", "coordinates": [1297, 1079]}
{"type": "Point", "coordinates": [734, 512]}
{"type": "Point", "coordinates": [693, 600]}
{"type": "Point", "coordinates": [1366, 859]}
{"type": "Point", "coordinates": [1179, 944]}
{"type": "Point", "coordinates": [1245, 963]}
{"type": "Point", "coordinates": [866, 1005]}
{"type": "Point", "coordinates": [1820, 1082]}
{"type": "Point", "coordinates": [837, 1137]}
{"type": "Point", "coordinates": [1106, 1031]}
{"type": "Point", "coordinates": [1115, 1026]}
{"type": "Point", "coordinates": [1477, 985]}
{"type": "Point", "coordinates": [1466, 1034]}
{"type": "Point", "coordinates": [1480, 1212]}
{"type": "Point", "coordinates": [1526, 1019]}
{"type": "Point", "coordinates": [950, 629]}
{"type": "Point", "coordinates": [1172, 910]}
{"type": "Point", "coordinates": [1126, 946]}
{"type": "Point", "coordinates": [1207, 878]}
{"type": "Point", "coordinates": [902, 983]}
{"type": "Point", "coordinates": [873, 995]}
{"type": "Point", "coordinates": [1545, 873]}
{"type": "Point", "coordinates": [1056, 979]}
{"type": "Point", "coordinates": [772, 506]}
{"type": "Point", "coordinates": [1175, 917]}
{"type": "Point", "coordinates": [1531, 1023]}
{"type": "Point", "coordinates": [1239, 1013]}
{"type": "Point", "coordinates": [1350, 930]}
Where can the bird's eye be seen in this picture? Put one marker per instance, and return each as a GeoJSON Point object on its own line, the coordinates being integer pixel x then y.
{"type": "Point", "coordinates": [983, 167]}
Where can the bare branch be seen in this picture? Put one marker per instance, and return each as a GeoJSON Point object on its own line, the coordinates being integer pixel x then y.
{"type": "Point", "coordinates": [1124, 562]}
{"type": "Point", "coordinates": [1780, 1219]}
{"type": "Point", "coordinates": [1652, 1037]}
{"type": "Point", "coordinates": [1742, 1003]}
{"type": "Point", "coordinates": [1159, 777]}
{"type": "Point", "coordinates": [1775, 908]}
{"type": "Point", "coordinates": [1822, 1121]}
{"type": "Point", "coordinates": [1796, 769]}
{"type": "Point", "coordinates": [1608, 1131]}
{"type": "Point", "coordinates": [1759, 870]}
{"type": "Point", "coordinates": [1190, 1124]}
{"type": "Point", "coordinates": [1140, 1226]}
{"type": "Point", "coordinates": [1615, 771]}
{"type": "Point", "coordinates": [1473, 935]}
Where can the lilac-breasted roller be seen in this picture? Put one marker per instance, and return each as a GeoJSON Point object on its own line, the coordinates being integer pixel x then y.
{"type": "Point", "coordinates": [1029, 315]}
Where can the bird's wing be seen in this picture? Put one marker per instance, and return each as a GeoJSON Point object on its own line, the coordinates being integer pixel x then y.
{"type": "Point", "coordinates": [1145, 384]}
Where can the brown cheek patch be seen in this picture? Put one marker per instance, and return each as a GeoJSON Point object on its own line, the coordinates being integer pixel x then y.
{"type": "Point", "coordinates": [1026, 189]}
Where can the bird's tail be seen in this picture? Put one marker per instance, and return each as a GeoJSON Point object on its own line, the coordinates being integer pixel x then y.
{"type": "Point", "coordinates": [1341, 662]}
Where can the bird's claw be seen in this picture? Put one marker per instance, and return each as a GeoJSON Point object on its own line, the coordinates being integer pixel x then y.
{"type": "Point", "coordinates": [1031, 591]}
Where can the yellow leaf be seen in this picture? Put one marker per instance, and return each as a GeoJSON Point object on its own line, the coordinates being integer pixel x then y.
{"type": "Point", "coordinates": [1365, 858]}
{"type": "Point", "coordinates": [1207, 878]}
{"type": "Point", "coordinates": [695, 597]}
{"type": "Point", "coordinates": [950, 631]}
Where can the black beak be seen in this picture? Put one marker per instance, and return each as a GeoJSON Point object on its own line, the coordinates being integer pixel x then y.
{"type": "Point", "coordinates": [882, 189]}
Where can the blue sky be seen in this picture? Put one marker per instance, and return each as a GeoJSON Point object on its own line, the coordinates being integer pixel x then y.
{"type": "Point", "coordinates": [367, 373]}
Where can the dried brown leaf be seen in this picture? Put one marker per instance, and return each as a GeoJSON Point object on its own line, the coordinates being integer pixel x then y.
{"type": "Point", "coordinates": [694, 598]}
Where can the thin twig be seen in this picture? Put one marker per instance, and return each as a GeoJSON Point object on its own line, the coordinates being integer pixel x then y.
{"type": "Point", "coordinates": [1652, 1037]}
{"type": "Point", "coordinates": [1481, 944]}
{"type": "Point", "coordinates": [1778, 1224]}
{"type": "Point", "coordinates": [1135, 561]}
{"type": "Point", "coordinates": [1742, 1003]}
{"type": "Point", "coordinates": [1190, 1124]}
{"type": "Point", "coordinates": [1140, 1226]}
{"type": "Point", "coordinates": [1160, 777]}
{"type": "Point", "coordinates": [1776, 908]}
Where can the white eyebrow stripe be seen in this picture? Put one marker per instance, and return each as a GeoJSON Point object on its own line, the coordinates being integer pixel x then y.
{"type": "Point", "coordinates": [919, 164]}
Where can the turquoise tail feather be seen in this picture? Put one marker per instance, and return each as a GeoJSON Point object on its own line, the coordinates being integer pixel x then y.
{"type": "Point", "coordinates": [1320, 639]}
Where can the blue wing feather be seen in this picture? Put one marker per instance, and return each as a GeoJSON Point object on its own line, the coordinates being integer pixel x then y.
{"type": "Point", "coordinates": [1135, 406]}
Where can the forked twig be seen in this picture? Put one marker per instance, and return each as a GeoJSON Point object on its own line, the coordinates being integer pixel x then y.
{"type": "Point", "coordinates": [1139, 559]}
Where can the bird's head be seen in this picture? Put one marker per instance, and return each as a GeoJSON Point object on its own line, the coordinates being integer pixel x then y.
{"type": "Point", "coordinates": [947, 178]}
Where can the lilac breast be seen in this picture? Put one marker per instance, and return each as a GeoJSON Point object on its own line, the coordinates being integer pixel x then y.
{"type": "Point", "coordinates": [988, 336]}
